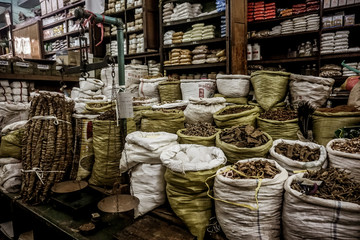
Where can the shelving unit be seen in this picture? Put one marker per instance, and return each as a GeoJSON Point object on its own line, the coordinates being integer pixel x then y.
{"type": "Point", "coordinates": [184, 25]}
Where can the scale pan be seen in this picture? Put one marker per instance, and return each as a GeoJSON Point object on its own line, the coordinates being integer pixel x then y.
{"type": "Point", "coordinates": [118, 203]}
{"type": "Point", "coordinates": [69, 186]}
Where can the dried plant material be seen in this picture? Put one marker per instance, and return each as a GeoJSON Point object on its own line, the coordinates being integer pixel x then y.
{"type": "Point", "coordinates": [254, 169]}
{"type": "Point", "coordinates": [108, 115]}
{"type": "Point", "coordinates": [279, 114]}
{"type": "Point", "coordinates": [234, 110]}
{"type": "Point", "coordinates": [200, 129]}
{"type": "Point", "coordinates": [349, 146]}
{"type": "Point", "coordinates": [298, 152]}
{"type": "Point", "coordinates": [342, 108]}
{"type": "Point", "coordinates": [244, 137]}
{"type": "Point", "coordinates": [335, 185]}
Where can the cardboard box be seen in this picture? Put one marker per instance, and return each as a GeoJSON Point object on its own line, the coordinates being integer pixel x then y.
{"type": "Point", "coordinates": [60, 3]}
{"type": "Point", "coordinates": [68, 58]}
{"type": "Point", "coordinates": [43, 7]}
{"type": "Point", "coordinates": [48, 6]}
{"type": "Point", "coordinates": [54, 5]}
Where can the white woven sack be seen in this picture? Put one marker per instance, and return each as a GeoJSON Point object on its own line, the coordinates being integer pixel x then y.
{"type": "Point", "coordinates": [134, 73]}
{"type": "Point", "coordinates": [133, 90]}
{"type": "Point", "coordinates": [149, 87]}
{"type": "Point", "coordinates": [145, 147]}
{"type": "Point", "coordinates": [8, 160]}
{"type": "Point", "coordinates": [233, 85]}
{"type": "Point", "coordinates": [176, 104]}
{"type": "Point", "coordinates": [6, 98]}
{"type": "Point", "coordinates": [90, 84]}
{"type": "Point", "coordinates": [292, 165]}
{"type": "Point", "coordinates": [343, 160]}
{"type": "Point", "coordinates": [5, 90]}
{"type": "Point", "coordinates": [146, 102]}
{"type": "Point", "coordinates": [108, 91]}
{"type": "Point", "coordinates": [240, 222]}
{"type": "Point", "coordinates": [4, 83]}
{"type": "Point", "coordinates": [204, 88]}
{"type": "Point", "coordinates": [13, 126]}
{"type": "Point", "coordinates": [191, 157]}
{"type": "Point", "coordinates": [315, 90]}
{"type": "Point", "coordinates": [148, 185]}
{"type": "Point", "coordinates": [307, 217]}
{"type": "Point", "coordinates": [19, 84]}
{"type": "Point", "coordinates": [20, 98]}
{"type": "Point", "coordinates": [202, 109]}
{"type": "Point", "coordinates": [19, 91]}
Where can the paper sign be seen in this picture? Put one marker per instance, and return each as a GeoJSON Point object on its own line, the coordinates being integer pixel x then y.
{"type": "Point", "coordinates": [125, 105]}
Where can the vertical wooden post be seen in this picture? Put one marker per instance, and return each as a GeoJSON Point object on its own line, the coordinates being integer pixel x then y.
{"type": "Point", "coordinates": [238, 36]}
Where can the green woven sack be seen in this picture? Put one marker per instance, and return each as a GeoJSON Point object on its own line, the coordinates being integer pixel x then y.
{"type": "Point", "coordinates": [325, 124]}
{"type": "Point", "coordinates": [239, 100]}
{"type": "Point", "coordinates": [270, 87]}
{"type": "Point", "coordinates": [234, 154]}
{"type": "Point", "coordinates": [11, 144]}
{"type": "Point", "coordinates": [169, 91]}
{"type": "Point", "coordinates": [278, 105]}
{"type": "Point", "coordinates": [187, 194]}
{"type": "Point", "coordinates": [158, 121]}
{"type": "Point", "coordinates": [98, 107]}
{"type": "Point", "coordinates": [279, 129]}
{"type": "Point", "coordinates": [205, 141]}
{"type": "Point", "coordinates": [107, 152]}
{"type": "Point", "coordinates": [134, 124]}
{"type": "Point", "coordinates": [238, 119]}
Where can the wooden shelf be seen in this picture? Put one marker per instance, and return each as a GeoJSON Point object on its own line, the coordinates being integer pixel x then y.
{"type": "Point", "coordinates": [280, 19]}
{"type": "Point", "coordinates": [61, 36]}
{"type": "Point", "coordinates": [4, 27]}
{"type": "Point", "coordinates": [341, 55]}
{"type": "Point", "coordinates": [195, 66]}
{"type": "Point", "coordinates": [340, 8]}
{"type": "Point", "coordinates": [141, 55]}
{"type": "Point", "coordinates": [136, 31]}
{"type": "Point", "coordinates": [284, 60]}
{"type": "Point", "coordinates": [284, 36]}
{"type": "Point", "coordinates": [115, 14]}
{"type": "Point", "coordinates": [194, 43]}
{"type": "Point", "coordinates": [132, 8]}
{"type": "Point", "coordinates": [62, 9]}
{"type": "Point", "coordinates": [70, 48]}
{"type": "Point", "coordinates": [340, 28]}
{"type": "Point", "coordinates": [194, 20]}
{"type": "Point", "coordinates": [57, 22]}
{"type": "Point", "coordinates": [26, 77]}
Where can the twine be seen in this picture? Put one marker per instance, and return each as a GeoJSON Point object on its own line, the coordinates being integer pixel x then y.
{"type": "Point", "coordinates": [40, 173]}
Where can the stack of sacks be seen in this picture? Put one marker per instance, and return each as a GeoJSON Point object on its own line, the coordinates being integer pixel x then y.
{"type": "Point", "coordinates": [250, 11]}
{"type": "Point", "coordinates": [286, 12]}
{"type": "Point", "coordinates": [270, 10]}
{"type": "Point", "coordinates": [327, 43]}
{"type": "Point", "coordinates": [113, 30]}
{"type": "Point", "coordinates": [120, 6]}
{"type": "Point", "coordinates": [5, 91]}
{"type": "Point", "coordinates": [90, 88]}
{"type": "Point", "coordinates": [168, 37]}
{"type": "Point", "coordinates": [154, 68]}
{"type": "Point", "coordinates": [299, 8]}
{"type": "Point", "coordinates": [347, 72]}
{"type": "Point", "coordinates": [140, 47]}
{"type": "Point", "coordinates": [177, 37]}
{"type": "Point", "coordinates": [20, 91]}
{"type": "Point", "coordinates": [167, 12]}
{"type": "Point", "coordinates": [208, 32]}
{"type": "Point", "coordinates": [259, 11]}
{"type": "Point", "coordinates": [220, 5]}
{"type": "Point", "coordinates": [287, 27]}
{"type": "Point", "coordinates": [313, 22]}
{"type": "Point", "coordinates": [10, 113]}
{"type": "Point", "coordinates": [187, 36]}
{"type": "Point", "coordinates": [130, 3]}
{"type": "Point", "coordinates": [110, 7]}
{"type": "Point", "coordinates": [130, 26]}
{"type": "Point", "coordinates": [138, 19]}
{"type": "Point", "coordinates": [114, 47]}
{"type": "Point", "coordinates": [138, 3]}
{"type": "Point", "coordinates": [185, 57]}
{"type": "Point", "coordinates": [341, 41]}
{"type": "Point", "coordinates": [10, 175]}
{"type": "Point", "coordinates": [199, 54]}
{"type": "Point", "coordinates": [175, 56]}
{"type": "Point", "coordinates": [182, 11]}
{"type": "Point", "coordinates": [330, 70]}
{"type": "Point", "coordinates": [312, 5]}
{"type": "Point", "coordinates": [107, 31]}
{"type": "Point", "coordinates": [196, 8]}
{"type": "Point", "coordinates": [132, 44]}
{"type": "Point", "coordinates": [275, 31]}
{"type": "Point", "coordinates": [300, 24]}
{"type": "Point", "coordinates": [217, 55]}
{"type": "Point", "coordinates": [223, 26]}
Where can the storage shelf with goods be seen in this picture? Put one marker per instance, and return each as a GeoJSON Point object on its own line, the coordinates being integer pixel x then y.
{"type": "Point", "coordinates": [355, 6]}
{"type": "Point", "coordinates": [195, 29]}
{"type": "Point", "coordinates": [26, 77]}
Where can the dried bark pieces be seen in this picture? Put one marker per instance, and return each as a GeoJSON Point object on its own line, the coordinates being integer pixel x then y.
{"type": "Point", "coordinates": [200, 129]}
{"type": "Point", "coordinates": [341, 108]}
{"type": "Point", "coordinates": [279, 114]}
{"type": "Point", "coordinates": [234, 110]}
{"type": "Point", "coordinates": [108, 115]}
{"type": "Point", "coordinates": [251, 170]}
{"type": "Point", "coordinates": [244, 136]}
{"type": "Point", "coordinates": [336, 185]}
{"type": "Point", "coordinates": [349, 146]}
{"type": "Point", "coordinates": [298, 152]}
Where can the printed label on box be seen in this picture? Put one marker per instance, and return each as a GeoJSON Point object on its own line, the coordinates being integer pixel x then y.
{"type": "Point", "coordinates": [4, 63]}
{"type": "Point", "coordinates": [43, 67]}
{"type": "Point", "coordinates": [22, 64]}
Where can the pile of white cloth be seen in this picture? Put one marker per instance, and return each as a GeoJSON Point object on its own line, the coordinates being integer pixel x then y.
{"type": "Point", "coordinates": [168, 11]}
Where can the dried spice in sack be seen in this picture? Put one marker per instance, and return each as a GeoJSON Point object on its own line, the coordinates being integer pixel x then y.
{"type": "Point", "coordinates": [254, 169]}
{"type": "Point", "coordinates": [349, 146]}
{"type": "Point", "coordinates": [108, 115]}
{"type": "Point", "coordinates": [279, 114]}
{"type": "Point", "coordinates": [335, 184]}
{"type": "Point", "coordinates": [244, 136]}
{"type": "Point", "coordinates": [298, 152]}
{"type": "Point", "coordinates": [234, 110]}
{"type": "Point", "coordinates": [342, 108]}
{"type": "Point", "coordinates": [200, 129]}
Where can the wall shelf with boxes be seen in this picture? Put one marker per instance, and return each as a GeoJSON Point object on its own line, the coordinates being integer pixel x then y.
{"type": "Point", "coordinates": [194, 35]}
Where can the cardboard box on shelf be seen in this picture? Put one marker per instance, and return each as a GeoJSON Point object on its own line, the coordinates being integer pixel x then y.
{"type": "Point", "coordinates": [68, 57]}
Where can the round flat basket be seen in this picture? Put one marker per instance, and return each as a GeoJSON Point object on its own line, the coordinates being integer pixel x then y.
{"type": "Point", "coordinates": [69, 186]}
{"type": "Point", "coordinates": [118, 203]}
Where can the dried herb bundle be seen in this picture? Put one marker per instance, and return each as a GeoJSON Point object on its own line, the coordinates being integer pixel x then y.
{"type": "Point", "coordinates": [298, 152]}
{"type": "Point", "coordinates": [235, 110]}
{"type": "Point", "coordinates": [108, 115]}
{"type": "Point", "coordinates": [279, 114]}
{"type": "Point", "coordinates": [349, 146]}
{"type": "Point", "coordinates": [244, 136]}
{"type": "Point", "coordinates": [47, 145]}
{"type": "Point", "coordinates": [254, 169]}
{"type": "Point", "coordinates": [200, 129]}
{"type": "Point", "coordinates": [336, 185]}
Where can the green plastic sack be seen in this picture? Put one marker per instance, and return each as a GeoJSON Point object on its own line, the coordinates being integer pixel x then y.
{"type": "Point", "coordinates": [11, 144]}
{"type": "Point", "coordinates": [234, 154]}
{"type": "Point", "coordinates": [205, 141]}
{"type": "Point", "coordinates": [187, 194]}
{"type": "Point", "coordinates": [238, 101]}
{"type": "Point", "coordinates": [279, 129]}
{"type": "Point", "coordinates": [107, 151]}
{"type": "Point", "coordinates": [270, 87]}
{"type": "Point", "coordinates": [325, 124]}
{"type": "Point", "coordinates": [169, 91]}
{"type": "Point", "coordinates": [238, 119]}
{"type": "Point", "coordinates": [133, 124]}
{"type": "Point", "coordinates": [162, 121]}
